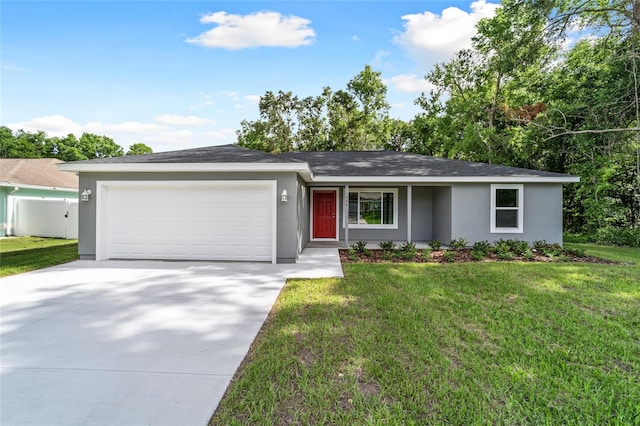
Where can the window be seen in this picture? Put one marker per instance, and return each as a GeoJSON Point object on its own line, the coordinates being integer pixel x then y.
{"type": "Point", "coordinates": [506, 208]}
{"type": "Point", "coordinates": [373, 208]}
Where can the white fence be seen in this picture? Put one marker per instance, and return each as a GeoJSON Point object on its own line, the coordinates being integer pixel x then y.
{"type": "Point", "coordinates": [46, 218]}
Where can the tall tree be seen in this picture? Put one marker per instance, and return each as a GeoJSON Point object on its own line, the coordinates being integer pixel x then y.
{"type": "Point", "coordinates": [139, 149]}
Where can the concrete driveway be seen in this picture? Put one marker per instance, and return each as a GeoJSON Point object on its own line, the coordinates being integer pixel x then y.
{"type": "Point", "coordinates": [133, 343]}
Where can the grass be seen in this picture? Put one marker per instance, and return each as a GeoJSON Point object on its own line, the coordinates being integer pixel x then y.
{"type": "Point", "coordinates": [467, 343]}
{"type": "Point", "coordinates": [22, 254]}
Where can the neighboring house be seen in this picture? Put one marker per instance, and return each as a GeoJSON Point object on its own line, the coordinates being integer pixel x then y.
{"type": "Point", "coordinates": [232, 203]}
{"type": "Point", "coordinates": [37, 199]}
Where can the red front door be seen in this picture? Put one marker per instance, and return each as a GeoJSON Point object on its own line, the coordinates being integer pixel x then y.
{"type": "Point", "coordinates": [324, 214]}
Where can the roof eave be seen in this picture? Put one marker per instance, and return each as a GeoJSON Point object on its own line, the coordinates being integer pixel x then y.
{"type": "Point", "coordinates": [42, 187]}
{"type": "Point", "coordinates": [447, 179]}
{"type": "Point", "coordinates": [301, 168]}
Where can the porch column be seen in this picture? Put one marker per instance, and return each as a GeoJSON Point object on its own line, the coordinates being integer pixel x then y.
{"type": "Point", "coordinates": [345, 215]}
{"type": "Point", "coordinates": [409, 197]}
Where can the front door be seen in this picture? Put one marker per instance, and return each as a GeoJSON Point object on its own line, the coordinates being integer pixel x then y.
{"type": "Point", "coordinates": [324, 214]}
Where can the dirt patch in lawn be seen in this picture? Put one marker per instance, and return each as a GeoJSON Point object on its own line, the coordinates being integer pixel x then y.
{"type": "Point", "coordinates": [461, 256]}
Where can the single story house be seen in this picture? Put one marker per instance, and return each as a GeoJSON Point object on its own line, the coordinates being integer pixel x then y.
{"type": "Point", "coordinates": [37, 199]}
{"type": "Point", "coordinates": [231, 203]}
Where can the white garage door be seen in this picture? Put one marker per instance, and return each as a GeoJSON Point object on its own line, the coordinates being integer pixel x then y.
{"type": "Point", "coordinates": [222, 220]}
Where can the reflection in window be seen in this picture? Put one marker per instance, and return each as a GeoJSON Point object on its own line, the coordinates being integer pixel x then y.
{"type": "Point", "coordinates": [371, 208]}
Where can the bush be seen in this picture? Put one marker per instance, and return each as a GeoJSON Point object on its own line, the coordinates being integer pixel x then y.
{"type": "Point", "coordinates": [353, 255]}
{"type": "Point", "coordinates": [434, 244]}
{"type": "Point", "coordinates": [408, 251]}
{"type": "Point", "coordinates": [359, 247]}
{"type": "Point", "coordinates": [458, 244]}
{"type": "Point", "coordinates": [426, 254]}
{"type": "Point", "coordinates": [618, 236]}
{"type": "Point", "coordinates": [504, 250]}
{"type": "Point", "coordinates": [449, 256]}
{"type": "Point", "coordinates": [477, 254]}
{"type": "Point", "coordinates": [387, 246]}
{"type": "Point", "coordinates": [575, 251]}
{"type": "Point", "coordinates": [482, 247]}
{"type": "Point", "coordinates": [514, 246]}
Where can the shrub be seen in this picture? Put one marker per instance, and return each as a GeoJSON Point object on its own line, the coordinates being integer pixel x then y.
{"type": "Point", "coordinates": [449, 256]}
{"type": "Point", "coordinates": [434, 244]}
{"type": "Point", "coordinates": [387, 246]}
{"type": "Point", "coordinates": [477, 254]}
{"type": "Point", "coordinates": [387, 255]}
{"type": "Point", "coordinates": [353, 254]}
{"type": "Point", "coordinates": [575, 251]}
{"type": "Point", "coordinates": [407, 251]}
{"type": "Point", "coordinates": [482, 247]}
{"type": "Point", "coordinates": [618, 236]}
{"type": "Point", "coordinates": [528, 254]}
{"type": "Point", "coordinates": [458, 244]}
{"type": "Point", "coordinates": [503, 250]}
{"type": "Point", "coordinates": [359, 247]}
{"type": "Point", "coordinates": [426, 254]}
{"type": "Point", "coordinates": [514, 246]}
{"type": "Point", "coordinates": [518, 247]}
{"type": "Point", "coordinates": [539, 244]}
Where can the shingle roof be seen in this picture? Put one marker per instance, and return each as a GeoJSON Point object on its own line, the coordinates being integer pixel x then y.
{"type": "Point", "coordinates": [35, 172]}
{"type": "Point", "coordinates": [333, 163]}
{"type": "Point", "coordinates": [210, 154]}
{"type": "Point", "coordinates": [391, 163]}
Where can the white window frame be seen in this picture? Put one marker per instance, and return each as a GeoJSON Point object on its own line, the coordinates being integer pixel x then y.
{"type": "Point", "coordinates": [503, 230]}
{"type": "Point", "coordinates": [393, 191]}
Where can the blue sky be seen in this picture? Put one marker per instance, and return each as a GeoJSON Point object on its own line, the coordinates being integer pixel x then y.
{"type": "Point", "coordinates": [177, 75]}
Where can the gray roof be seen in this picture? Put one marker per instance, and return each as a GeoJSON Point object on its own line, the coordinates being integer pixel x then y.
{"type": "Point", "coordinates": [210, 154]}
{"type": "Point", "coordinates": [335, 163]}
{"type": "Point", "coordinates": [392, 163]}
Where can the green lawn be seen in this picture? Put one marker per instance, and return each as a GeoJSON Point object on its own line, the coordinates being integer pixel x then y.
{"type": "Point", "coordinates": [462, 344]}
{"type": "Point", "coordinates": [22, 254]}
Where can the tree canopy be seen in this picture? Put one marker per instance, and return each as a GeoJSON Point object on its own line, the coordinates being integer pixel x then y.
{"type": "Point", "coordinates": [22, 144]}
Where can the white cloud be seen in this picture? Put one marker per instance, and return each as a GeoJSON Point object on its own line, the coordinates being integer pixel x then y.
{"type": "Point", "coordinates": [379, 57]}
{"type": "Point", "coordinates": [255, 30]}
{"type": "Point", "coordinates": [355, 37]}
{"type": "Point", "coordinates": [410, 83]}
{"type": "Point", "coordinates": [223, 134]}
{"type": "Point", "coordinates": [431, 37]}
{"type": "Point", "coordinates": [182, 120]}
{"type": "Point", "coordinates": [253, 99]}
{"type": "Point", "coordinates": [12, 68]}
{"type": "Point", "coordinates": [165, 134]}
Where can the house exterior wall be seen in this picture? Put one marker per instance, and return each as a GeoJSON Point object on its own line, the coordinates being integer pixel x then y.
{"type": "Point", "coordinates": [471, 213]}
{"type": "Point", "coordinates": [287, 236]}
{"type": "Point", "coordinates": [441, 212]}
{"type": "Point", "coordinates": [421, 213]}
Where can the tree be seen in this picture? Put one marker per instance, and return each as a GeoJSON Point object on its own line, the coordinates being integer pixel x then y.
{"type": "Point", "coordinates": [352, 119]}
{"type": "Point", "coordinates": [22, 144]}
{"type": "Point", "coordinates": [94, 146]}
{"type": "Point", "coordinates": [370, 91]}
{"type": "Point", "coordinates": [139, 149]}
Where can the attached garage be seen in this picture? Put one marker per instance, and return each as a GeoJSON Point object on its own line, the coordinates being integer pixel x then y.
{"type": "Point", "coordinates": [186, 220]}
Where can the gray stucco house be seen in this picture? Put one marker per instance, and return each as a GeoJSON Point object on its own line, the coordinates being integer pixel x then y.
{"type": "Point", "coordinates": [232, 203]}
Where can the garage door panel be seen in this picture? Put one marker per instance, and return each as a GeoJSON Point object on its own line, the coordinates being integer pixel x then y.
{"type": "Point", "coordinates": [204, 221]}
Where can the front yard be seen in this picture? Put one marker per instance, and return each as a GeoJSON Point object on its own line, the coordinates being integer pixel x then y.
{"type": "Point", "coordinates": [462, 343]}
{"type": "Point", "coordinates": [23, 254]}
